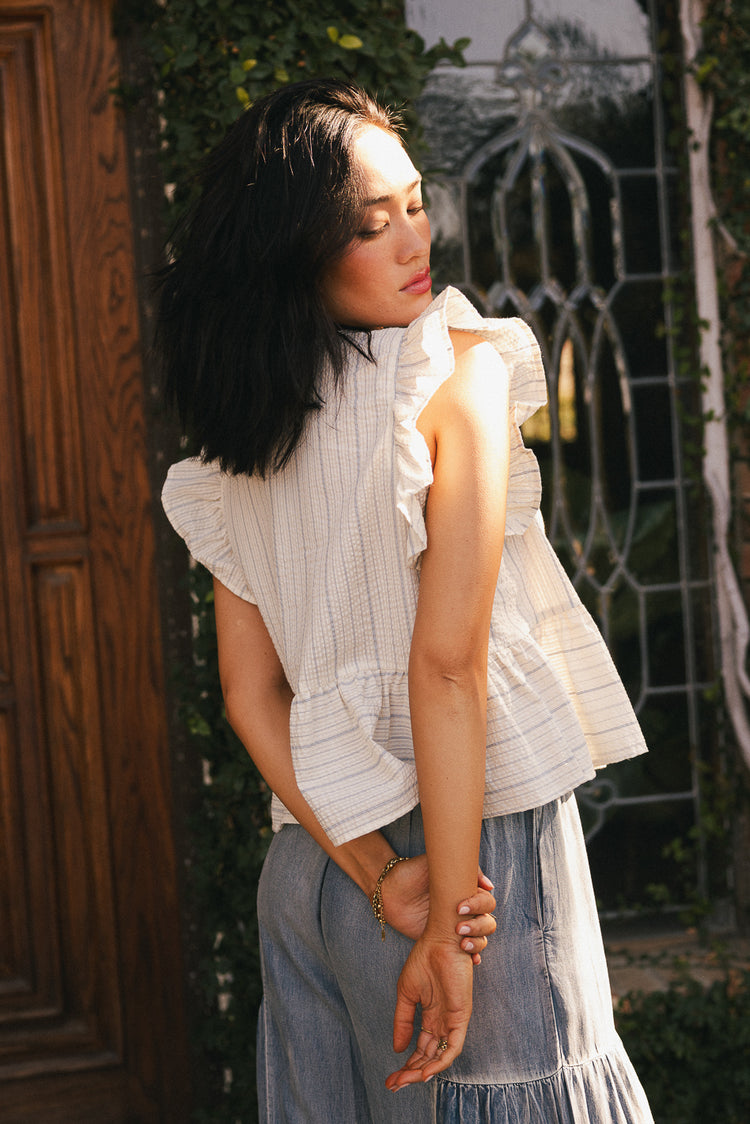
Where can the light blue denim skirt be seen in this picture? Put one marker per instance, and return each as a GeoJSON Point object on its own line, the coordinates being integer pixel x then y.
{"type": "Point", "coordinates": [541, 1046]}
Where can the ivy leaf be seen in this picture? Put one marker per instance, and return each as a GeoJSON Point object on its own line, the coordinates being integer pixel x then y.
{"type": "Point", "coordinates": [350, 42]}
{"type": "Point", "coordinates": [333, 34]}
{"type": "Point", "coordinates": [198, 726]}
{"type": "Point", "coordinates": [182, 62]}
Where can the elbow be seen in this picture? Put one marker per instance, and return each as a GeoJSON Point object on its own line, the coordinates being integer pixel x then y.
{"type": "Point", "coordinates": [245, 698]}
{"type": "Point", "coordinates": [461, 670]}
{"type": "Point", "coordinates": [231, 702]}
{"type": "Point", "coordinates": [237, 694]}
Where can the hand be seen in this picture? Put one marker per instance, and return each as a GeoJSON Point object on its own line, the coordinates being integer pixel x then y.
{"type": "Point", "coordinates": [406, 905]}
{"type": "Point", "coordinates": [477, 922]}
{"type": "Point", "coordinates": [438, 978]}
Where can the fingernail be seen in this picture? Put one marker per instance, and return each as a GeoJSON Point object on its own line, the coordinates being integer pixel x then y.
{"type": "Point", "coordinates": [464, 909]}
{"type": "Point", "coordinates": [463, 930]}
{"type": "Point", "coordinates": [428, 1078]}
{"type": "Point", "coordinates": [469, 946]}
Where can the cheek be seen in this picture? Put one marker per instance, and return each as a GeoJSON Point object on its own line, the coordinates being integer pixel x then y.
{"type": "Point", "coordinates": [364, 261]}
{"type": "Point", "coordinates": [344, 286]}
{"type": "Point", "coordinates": [354, 273]}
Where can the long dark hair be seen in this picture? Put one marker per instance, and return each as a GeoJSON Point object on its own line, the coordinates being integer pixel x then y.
{"type": "Point", "coordinates": [242, 332]}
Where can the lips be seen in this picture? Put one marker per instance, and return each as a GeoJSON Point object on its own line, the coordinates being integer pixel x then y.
{"type": "Point", "coordinates": [420, 283]}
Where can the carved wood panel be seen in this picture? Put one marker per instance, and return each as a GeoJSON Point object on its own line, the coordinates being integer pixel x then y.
{"type": "Point", "coordinates": [91, 1012]}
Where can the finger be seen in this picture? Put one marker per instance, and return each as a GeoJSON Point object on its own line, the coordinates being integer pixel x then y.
{"type": "Point", "coordinates": [420, 1067]}
{"type": "Point", "coordinates": [403, 1022]}
{"type": "Point", "coordinates": [484, 881]}
{"type": "Point", "coordinates": [427, 1048]}
{"type": "Point", "coordinates": [410, 1072]}
{"type": "Point", "coordinates": [473, 945]}
{"type": "Point", "coordinates": [480, 903]}
{"type": "Point", "coordinates": [474, 932]}
{"type": "Point", "coordinates": [482, 926]}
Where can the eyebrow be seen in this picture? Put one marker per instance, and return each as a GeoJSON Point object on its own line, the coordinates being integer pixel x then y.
{"type": "Point", "coordinates": [388, 198]}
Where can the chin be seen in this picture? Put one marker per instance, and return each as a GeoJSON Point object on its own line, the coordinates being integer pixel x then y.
{"type": "Point", "coordinates": [424, 301]}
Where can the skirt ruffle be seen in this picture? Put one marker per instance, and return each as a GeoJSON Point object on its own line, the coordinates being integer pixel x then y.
{"type": "Point", "coordinates": [604, 1088]}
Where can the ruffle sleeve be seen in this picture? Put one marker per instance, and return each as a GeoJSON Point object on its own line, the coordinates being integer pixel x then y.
{"type": "Point", "coordinates": [192, 498]}
{"type": "Point", "coordinates": [425, 361]}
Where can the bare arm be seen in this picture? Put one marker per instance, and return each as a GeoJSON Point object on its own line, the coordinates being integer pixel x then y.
{"type": "Point", "coordinates": [258, 701]}
{"type": "Point", "coordinates": [466, 428]}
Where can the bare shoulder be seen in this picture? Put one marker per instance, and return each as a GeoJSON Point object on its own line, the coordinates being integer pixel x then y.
{"type": "Point", "coordinates": [479, 375]}
{"type": "Point", "coordinates": [473, 396]}
{"type": "Point", "coordinates": [464, 342]}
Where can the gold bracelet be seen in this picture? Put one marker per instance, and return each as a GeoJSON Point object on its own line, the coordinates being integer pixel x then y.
{"type": "Point", "coordinates": [377, 894]}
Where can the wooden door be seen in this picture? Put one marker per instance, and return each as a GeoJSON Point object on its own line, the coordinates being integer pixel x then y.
{"type": "Point", "coordinates": [91, 1003]}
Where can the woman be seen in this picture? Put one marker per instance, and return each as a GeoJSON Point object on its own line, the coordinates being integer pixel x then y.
{"type": "Point", "coordinates": [400, 651]}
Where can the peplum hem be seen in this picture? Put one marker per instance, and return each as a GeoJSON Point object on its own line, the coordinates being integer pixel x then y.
{"type": "Point", "coordinates": [367, 717]}
{"type": "Point", "coordinates": [604, 1090]}
{"type": "Point", "coordinates": [556, 711]}
{"type": "Point", "coordinates": [425, 362]}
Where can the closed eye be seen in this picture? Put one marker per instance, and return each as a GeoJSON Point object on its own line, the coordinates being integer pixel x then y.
{"type": "Point", "coordinates": [373, 233]}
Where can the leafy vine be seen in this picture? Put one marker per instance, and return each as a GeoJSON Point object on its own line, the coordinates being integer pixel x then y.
{"type": "Point", "coordinates": [723, 69]}
{"type": "Point", "coordinates": [212, 58]}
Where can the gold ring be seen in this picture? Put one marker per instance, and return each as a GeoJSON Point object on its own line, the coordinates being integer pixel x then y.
{"type": "Point", "coordinates": [442, 1044]}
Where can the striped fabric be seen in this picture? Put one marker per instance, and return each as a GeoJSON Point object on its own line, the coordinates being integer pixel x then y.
{"type": "Point", "coordinates": [329, 550]}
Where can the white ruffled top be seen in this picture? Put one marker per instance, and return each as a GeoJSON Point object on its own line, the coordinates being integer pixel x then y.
{"type": "Point", "coordinates": [329, 550]}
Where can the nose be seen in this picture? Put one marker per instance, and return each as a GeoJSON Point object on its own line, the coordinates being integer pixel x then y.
{"type": "Point", "coordinates": [415, 238]}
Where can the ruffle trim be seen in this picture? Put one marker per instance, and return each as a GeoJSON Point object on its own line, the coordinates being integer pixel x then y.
{"type": "Point", "coordinates": [573, 649]}
{"type": "Point", "coordinates": [604, 1088]}
{"type": "Point", "coordinates": [192, 498]}
{"type": "Point", "coordinates": [363, 725]}
{"type": "Point", "coordinates": [425, 361]}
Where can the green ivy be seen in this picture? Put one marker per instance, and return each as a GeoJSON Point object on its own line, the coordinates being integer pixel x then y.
{"type": "Point", "coordinates": [229, 836]}
{"type": "Point", "coordinates": [690, 1046]}
{"type": "Point", "coordinates": [723, 69]}
{"type": "Point", "coordinates": [212, 58]}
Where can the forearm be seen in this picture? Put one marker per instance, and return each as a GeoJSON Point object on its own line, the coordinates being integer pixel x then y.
{"type": "Point", "coordinates": [449, 727]}
{"type": "Point", "coordinates": [264, 731]}
{"type": "Point", "coordinates": [465, 428]}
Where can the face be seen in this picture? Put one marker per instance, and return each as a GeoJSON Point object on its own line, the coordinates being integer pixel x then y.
{"type": "Point", "coordinates": [383, 278]}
